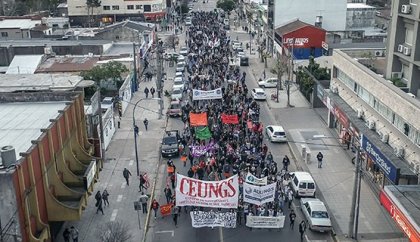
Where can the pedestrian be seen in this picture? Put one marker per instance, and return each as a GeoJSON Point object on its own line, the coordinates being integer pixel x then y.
{"type": "Point", "coordinates": [175, 214]}
{"type": "Point", "coordinates": [142, 182]}
{"type": "Point", "coordinates": [155, 206]}
{"type": "Point", "coordinates": [119, 124]}
{"type": "Point", "coordinates": [168, 193]}
{"type": "Point", "coordinates": [143, 200]}
{"type": "Point", "coordinates": [290, 197]}
{"type": "Point", "coordinates": [66, 235]}
{"type": "Point", "coordinates": [136, 130]}
{"type": "Point", "coordinates": [152, 91]}
{"type": "Point", "coordinates": [286, 162]}
{"type": "Point", "coordinates": [320, 156]}
{"type": "Point", "coordinates": [292, 217]}
{"type": "Point", "coordinates": [146, 92]}
{"type": "Point", "coordinates": [105, 195]}
{"type": "Point", "coordinates": [98, 197]}
{"type": "Point", "coordinates": [173, 180]}
{"type": "Point", "coordinates": [145, 122]}
{"type": "Point", "coordinates": [302, 229]}
{"type": "Point", "coordinates": [99, 206]}
{"type": "Point", "coordinates": [126, 175]}
{"type": "Point", "coordinates": [74, 234]}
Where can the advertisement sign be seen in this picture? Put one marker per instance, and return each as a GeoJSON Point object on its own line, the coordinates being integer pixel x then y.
{"type": "Point", "coordinates": [342, 118]}
{"type": "Point", "coordinates": [251, 179]}
{"type": "Point", "coordinates": [265, 222]}
{"type": "Point", "coordinates": [212, 219]}
{"type": "Point", "coordinates": [207, 95]}
{"type": "Point", "coordinates": [324, 45]}
{"type": "Point", "coordinates": [259, 195]}
{"type": "Point", "coordinates": [412, 234]}
{"type": "Point", "coordinates": [376, 155]}
{"type": "Point", "coordinates": [215, 194]}
{"type": "Point", "coordinates": [89, 174]}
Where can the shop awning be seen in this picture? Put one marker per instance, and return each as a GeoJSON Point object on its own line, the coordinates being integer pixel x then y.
{"type": "Point", "coordinates": [402, 203]}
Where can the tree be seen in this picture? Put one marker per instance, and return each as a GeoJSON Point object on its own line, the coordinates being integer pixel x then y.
{"type": "Point", "coordinates": [226, 5]}
{"type": "Point", "coordinates": [112, 70]}
{"type": "Point", "coordinates": [115, 231]}
{"type": "Point", "coordinates": [91, 4]}
{"type": "Point", "coordinates": [280, 68]}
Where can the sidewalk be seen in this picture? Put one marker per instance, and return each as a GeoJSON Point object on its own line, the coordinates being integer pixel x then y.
{"type": "Point", "coordinates": [335, 179]}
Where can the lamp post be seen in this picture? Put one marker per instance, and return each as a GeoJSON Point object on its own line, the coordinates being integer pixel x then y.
{"type": "Point", "coordinates": [135, 135]}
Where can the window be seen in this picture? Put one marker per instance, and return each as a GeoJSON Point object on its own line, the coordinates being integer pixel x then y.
{"type": "Point", "coordinates": [413, 2]}
{"type": "Point", "coordinates": [345, 79]}
{"type": "Point", "coordinates": [405, 70]}
{"type": "Point", "coordinates": [4, 34]}
{"type": "Point", "coordinates": [409, 33]}
{"type": "Point", "coordinates": [130, 7]}
{"type": "Point", "coordinates": [147, 8]}
{"type": "Point", "coordinates": [302, 185]}
{"type": "Point", "coordinates": [139, 6]}
{"type": "Point", "coordinates": [311, 185]}
{"type": "Point", "coordinates": [115, 7]}
{"type": "Point", "coordinates": [107, 7]}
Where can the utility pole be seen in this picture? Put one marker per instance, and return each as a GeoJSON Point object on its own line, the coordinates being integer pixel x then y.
{"type": "Point", "coordinates": [290, 73]}
{"type": "Point", "coordinates": [354, 212]}
{"type": "Point", "coordinates": [159, 64]}
{"type": "Point", "coordinates": [135, 66]}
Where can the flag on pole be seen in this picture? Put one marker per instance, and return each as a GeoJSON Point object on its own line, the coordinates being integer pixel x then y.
{"type": "Point", "coordinates": [203, 133]}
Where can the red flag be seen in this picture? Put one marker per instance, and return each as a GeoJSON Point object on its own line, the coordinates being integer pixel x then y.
{"type": "Point", "coordinates": [198, 119]}
{"type": "Point", "coordinates": [165, 210]}
{"type": "Point", "coordinates": [230, 119]}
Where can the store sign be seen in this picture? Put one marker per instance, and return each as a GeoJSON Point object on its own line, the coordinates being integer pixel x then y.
{"type": "Point", "coordinates": [259, 194]}
{"type": "Point", "coordinates": [89, 175]}
{"type": "Point", "coordinates": [265, 222]}
{"type": "Point", "coordinates": [215, 194]}
{"type": "Point", "coordinates": [324, 45]}
{"type": "Point", "coordinates": [386, 166]}
{"type": "Point", "coordinates": [341, 117]}
{"type": "Point", "coordinates": [296, 41]}
{"type": "Point", "coordinates": [412, 234]}
{"type": "Point", "coordinates": [207, 95]}
{"type": "Point", "coordinates": [212, 219]}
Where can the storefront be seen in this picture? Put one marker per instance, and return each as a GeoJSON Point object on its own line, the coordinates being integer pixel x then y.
{"type": "Point", "coordinates": [400, 202]}
{"type": "Point", "coordinates": [348, 133]}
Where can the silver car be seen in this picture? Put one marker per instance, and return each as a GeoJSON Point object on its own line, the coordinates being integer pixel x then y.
{"type": "Point", "coordinates": [316, 214]}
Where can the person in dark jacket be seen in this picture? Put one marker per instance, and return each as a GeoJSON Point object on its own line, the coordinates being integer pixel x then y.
{"type": "Point", "coordinates": [66, 235]}
{"type": "Point", "coordinates": [126, 175]}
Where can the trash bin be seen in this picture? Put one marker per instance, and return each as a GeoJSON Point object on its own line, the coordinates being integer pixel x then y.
{"type": "Point", "coordinates": [303, 154]}
{"type": "Point", "coordinates": [308, 157]}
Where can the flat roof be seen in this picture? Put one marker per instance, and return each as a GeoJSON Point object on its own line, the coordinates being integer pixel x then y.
{"type": "Point", "coordinates": [24, 64]}
{"type": "Point", "coordinates": [67, 64]}
{"type": "Point", "coordinates": [18, 23]}
{"type": "Point", "coordinates": [38, 82]}
{"type": "Point", "coordinates": [21, 122]}
{"type": "Point", "coordinates": [51, 42]}
{"type": "Point", "coordinates": [359, 5]}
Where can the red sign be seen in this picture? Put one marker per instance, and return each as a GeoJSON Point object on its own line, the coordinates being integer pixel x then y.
{"type": "Point", "coordinates": [341, 117]}
{"type": "Point", "coordinates": [230, 119]}
{"type": "Point", "coordinates": [165, 210]}
{"type": "Point", "coordinates": [412, 234]}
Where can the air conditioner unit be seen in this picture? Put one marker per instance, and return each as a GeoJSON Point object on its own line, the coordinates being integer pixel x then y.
{"type": "Point", "coordinates": [360, 113]}
{"type": "Point", "coordinates": [400, 48]}
{"type": "Point", "coordinates": [371, 124]}
{"type": "Point", "coordinates": [396, 74]}
{"type": "Point", "coordinates": [379, 53]}
{"type": "Point", "coordinates": [335, 90]}
{"type": "Point", "coordinates": [406, 9]}
{"type": "Point", "coordinates": [400, 152]}
{"type": "Point", "coordinates": [407, 50]}
{"type": "Point", "coordinates": [415, 165]}
{"type": "Point", "coordinates": [385, 138]}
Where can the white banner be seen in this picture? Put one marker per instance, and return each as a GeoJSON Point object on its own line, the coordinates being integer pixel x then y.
{"type": "Point", "coordinates": [207, 95]}
{"type": "Point", "coordinates": [265, 222]}
{"type": "Point", "coordinates": [212, 219]}
{"type": "Point", "coordinates": [215, 194]}
{"type": "Point", "coordinates": [259, 195]}
{"type": "Point", "coordinates": [251, 179]}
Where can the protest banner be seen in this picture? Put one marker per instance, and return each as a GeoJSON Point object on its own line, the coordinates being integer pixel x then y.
{"type": "Point", "coordinates": [165, 210]}
{"type": "Point", "coordinates": [230, 119]}
{"type": "Point", "coordinates": [202, 133]}
{"type": "Point", "coordinates": [216, 194]}
{"type": "Point", "coordinates": [198, 119]}
{"type": "Point", "coordinates": [259, 195]}
{"type": "Point", "coordinates": [265, 222]}
{"type": "Point", "coordinates": [212, 219]}
{"type": "Point", "coordinates": [251, 179]}
{"type": "Point", "coordinates": [200, 150]}
{"type": "Point", "coordinates": [207, 95]}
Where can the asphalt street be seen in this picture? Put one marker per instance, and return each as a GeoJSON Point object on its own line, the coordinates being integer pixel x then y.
{"type": "Point", "coordinates": [163, 229]}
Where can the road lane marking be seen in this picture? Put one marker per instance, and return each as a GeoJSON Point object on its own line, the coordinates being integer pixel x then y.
{"type": "Point", "coordinates": [113, 215]}
{"type": "Point", "coordinates": [166, 231]}
{"type": "Point", "coordinates": [221, 234]}
{"type": "Point", "coordinates": [119, 198]}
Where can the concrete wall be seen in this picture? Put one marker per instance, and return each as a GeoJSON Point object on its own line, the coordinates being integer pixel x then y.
{"type": "Point", "coordinates": [8, 206]}
{"type": "Point", "coordinates": [13, 34]}
{"type": "Point", "coordinates": [333, 12]}
{"type": "Point", "coordinates": [120, 34]}
{"type": "Point", "coordinates": [78, 7]}
{"type": "Point", "coordinates": [360, 18]}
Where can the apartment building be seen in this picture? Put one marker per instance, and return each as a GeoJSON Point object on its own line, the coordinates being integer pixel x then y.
{"type": "Point", "coordinates": [403, 59]}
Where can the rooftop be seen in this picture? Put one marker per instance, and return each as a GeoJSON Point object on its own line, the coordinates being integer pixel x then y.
{"type": "Point", "coordinates": [22, 122]}
{"type": "Point", "coordinates": [47, 42]}
{"type": "Point", "coordinates": [24, 64]}
{"type": "Point", "coordinates": [293, 26]}
{"type": "Point", "coordinates": [18, 23]}
{"type": "Point", "coordinates": [67, 64]}
{"type": "Point", "coordinates": [139, 26]}
{"type": "Point", "coordinates": [39, 82]}
{"type": "Point", "coordinates": [359, 6]}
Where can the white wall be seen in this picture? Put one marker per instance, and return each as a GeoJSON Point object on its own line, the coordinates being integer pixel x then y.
{"type": "Point", "coordinates": [108, 122]}
{"type": "Point", "coordinates": [78, 7]}
{"type": "Point", "coordinates": [332, 11]}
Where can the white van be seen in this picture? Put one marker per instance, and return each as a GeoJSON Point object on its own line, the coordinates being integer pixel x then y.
{"type": "Point", "coordinates": [302, 184]}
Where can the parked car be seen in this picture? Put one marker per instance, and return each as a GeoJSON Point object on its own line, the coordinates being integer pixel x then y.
{"type": "Point", "coordinates": [178, 83]}
{"type": "Point", "coordinates": [316, 214]}
{"type": "Point", "coordinates": [302, 184]}
{"type": "Point", "coordinates": [180, 67]}
{"type": "Point", "coordinates": [183, 51]}
{"type": "Point", "coordinates": [243, 61]}
{"type": "Point", "coordinates": [177, 94]}
{"type": "Point", "coordinates": [275, 133]}
{"type": "Point", "coordinates": [170, 144]}
{"type": "Point", "coordinates": [107, 102]}
{"type": "Point", "coordinates": [179, 74]}
{"type": "Point", "coordinates": [180, 58]}
{"type": "Point", "coordinates": [269, 82]}
{"type": "Point", "coordinates": [235, 45]}
{"type": "Point", "coordinates": [258, 94]}
{"type": "Point", "coordinates": [175, 109]}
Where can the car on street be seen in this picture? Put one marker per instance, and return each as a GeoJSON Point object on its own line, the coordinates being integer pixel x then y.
{"type": "Point", "coordinates": [180, 67]}
{"type": "Point", "coordinates": [226, 27]}
{"type": "Point", "coordinates": [107, 102]}
{"type": "Point", "coordinates": [269, 82]}
{"type": "Point", "coordinates": [188, 23]}
{"type": "Point", "coordinates": [180, 58]}
{"type": "Point", "coordinates": [170, 144]}
{"type": "Point", "coordinates": [240, 54]}
{"type": "Point", "coordinates": [175, 109]}
{"type": "Point", "coordinates": [183, 51]}
{"type": "Point", "coordinates": [316, 214]}
{"type": "Point", "coordinates": [178, 83]}
{"type": "Point", "coordinates": [177, 94]}
{"type": "Point", "coordinates": [170, 55]}
{"type": "Point", "coordinates": [258, 94]}
{"type": "Point", "coordinates": [275, 133]}
{"type": "Point", "coordinates": [236, 45]}
{"type": "Point", "coordinates": [243, 61]}
{"type": "Point", "coordinates": [179, 74]}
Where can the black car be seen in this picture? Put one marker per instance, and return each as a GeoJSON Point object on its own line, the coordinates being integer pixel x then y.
{"type": "Point", "coordinates": [243, 61]}
{"type": "Point", "coordinates": [226, 27]}
{"type": "Point", "coordinates": [170, 144]}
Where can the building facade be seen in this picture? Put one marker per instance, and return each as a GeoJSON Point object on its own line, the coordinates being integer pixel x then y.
{"type": "Point", "coordinates": [403, 59]}
{"type": "Point", "coordinates": [112, 11]}
{"type": "Point", "coordinates": [360, 15]}
{"type": "Point", "coordinates": [13, 29]}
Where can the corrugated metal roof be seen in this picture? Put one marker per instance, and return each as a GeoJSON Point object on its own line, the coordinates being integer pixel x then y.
{"type": "Point", "coordinates": [293, 26]}
{"type": "Point", "coordinates": [24, 64]}
{"type": "Point", "coordinates": [18, 23]}
{"type": "Point", "coordinates": [38, 82]}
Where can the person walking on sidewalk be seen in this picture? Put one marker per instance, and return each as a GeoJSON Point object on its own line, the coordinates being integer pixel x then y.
{"type": "Point", "coordinates": [152, 91]}
{"type": "Point", "coordinates": [290, 197]}
{"type": "Point", "coordinates": [286, 162]}
{"type": "Point", "coordinates": [99, 206]}
{"type": "Point", "coordinates": [74, 234]}
{"type": "Point", "coordinates": [302, 229]}
{"type": "Point", "coordinates": [98, 197]}
{"type": "Point", "coordinates": [66, 235]}
{"type": "Point", "coordinates": [146, 92]}
{"type": "Point", "coordinates": [136, 130]}
{"type": "Point", "coordinates": [143, 200]}
{"type": "Point", "coordinates": [319, 157]}
{"type": "Point", "coordinates": [126, 175]}
{"type": "Point", "coordinates": [168, 194]}
{"type": "Point", "coordinates": [145, 122]}
{"type": "Point", "coordinates": [292, 217]}
{"type": "Point", "coordinates": [105, 196]}
{"type": "Point", "coordinates": [155, 206]}
{"type": "Point", "coordinates": [142, 182]}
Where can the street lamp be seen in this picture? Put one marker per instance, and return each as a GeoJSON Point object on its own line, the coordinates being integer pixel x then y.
{"type": "Point", "coordinates": [135, 135]}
